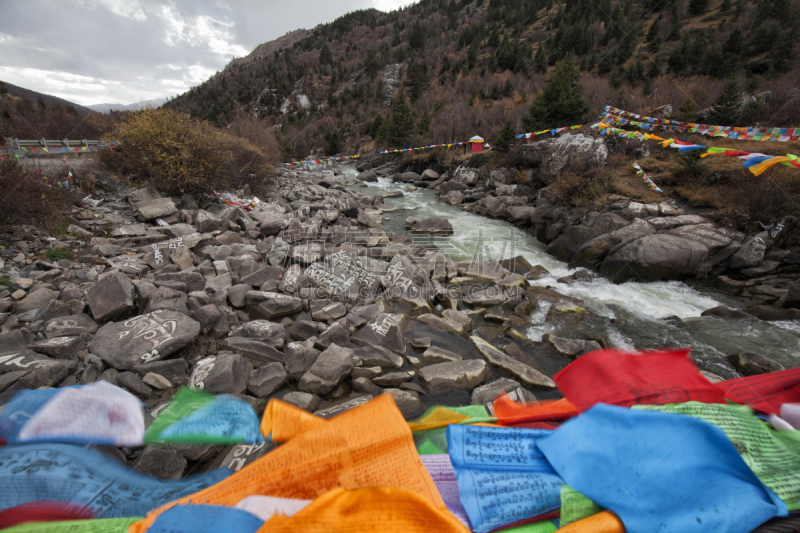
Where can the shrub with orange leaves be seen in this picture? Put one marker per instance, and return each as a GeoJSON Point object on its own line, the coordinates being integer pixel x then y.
{"type": "Point", "coordinates": [176, 152]}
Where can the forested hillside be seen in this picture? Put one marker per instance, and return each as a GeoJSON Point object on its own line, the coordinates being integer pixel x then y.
{"type": "Point", "coordinates": [468, 67]}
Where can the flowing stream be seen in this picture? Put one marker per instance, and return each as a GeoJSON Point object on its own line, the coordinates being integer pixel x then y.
{"type": "Point", "coordinates": [653, 315]}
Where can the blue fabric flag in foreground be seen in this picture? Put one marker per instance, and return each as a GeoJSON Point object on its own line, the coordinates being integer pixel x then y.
{"type": "Point", "coordinates": [62, 472]}
{"type": "Point", "coordinates": [205, 518]}
{"type": "Point", "coordinates": [503, 477]}
{"type": "Point", "coordinates": [660, 472]}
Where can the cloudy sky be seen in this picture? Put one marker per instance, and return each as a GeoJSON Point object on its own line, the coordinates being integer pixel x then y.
{"type": "Point", "coordinates": [126, 51]}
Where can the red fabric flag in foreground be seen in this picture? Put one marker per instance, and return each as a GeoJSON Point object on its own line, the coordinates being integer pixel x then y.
{"type": "Point", "coordinates": [44, 511]}
{"type": "Point", "coordinates": [510, 413]}
{"type": "Point", "coordinates": [622, 378]}
{"type": "Point", "coordinates": [765, 392]}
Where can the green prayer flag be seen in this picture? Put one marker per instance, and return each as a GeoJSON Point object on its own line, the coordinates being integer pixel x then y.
{"type": "Point", "coordinates": [773, 457]}
{"type": "Point", "coordinates": [185, 402]}
{"type": "Point", "coordinates": [575, 506]}
{"type": "Point", "coordinates": [105, 525]}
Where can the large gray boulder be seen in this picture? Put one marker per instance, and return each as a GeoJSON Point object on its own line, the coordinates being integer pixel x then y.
{"type": "Point", "coordinates": [70, 325]}
{"type": "Point", "coordinates": [524, 372]}
{"type": "Point", "coordinates": [37, 300]}
{"type": "Point", "coordinates": [270, 333]}
{"type": "Point", "coordinates": [432, 225]}
{"type": "Point", "coordinates": [751, 254]}
{"type": "Point", "coordinates": [548, 157]}
{"type": "Point", "coordinates": [568, 243]}
{"type": "Point", "coordinates": [457, 375]}
{"type": "Point", "coordinates": [466, 176]}
{"type": "Point", "coordinates": [592, 253]}
{"type": "Point", "coordinates": [153, 209]}
{"type": "Point", "coordinates": [655, 257]}
{"type": "Point", "coordinates": [330, 369]}
{"type": "Point", "coordinates": [487, 393]}
{"type": "Point", "coordinates": [149, 337]}
{"type": "Point", "coordinates": [226, 373]}
{"type": "Point", "coordinates": [264, 381]}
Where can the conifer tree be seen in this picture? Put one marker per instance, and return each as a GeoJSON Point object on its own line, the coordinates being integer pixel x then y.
{"type": "Point", "coordinates": [505, 139]}
{"type": "Point", "coordinates": [654, 29]}
{"type": "Point", "coordinates": [675, 32]}
{"type": "Point", "coordinates": [698, 7]}
{"type": "Point", "coordinates": [401, 127]}
{"type": "Point", "coordinates": [726, 107]}
{"type": "Point", "coordinates": [561, 102]}
{"type": "Point", "coordinates": [325, 56]}
{"type": "Point", "coordinates": [540, 62]}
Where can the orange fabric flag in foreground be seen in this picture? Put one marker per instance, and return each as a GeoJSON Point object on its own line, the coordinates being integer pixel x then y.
{"type": "Point", "coordinates": [604, 522]}
{"type": "Point", "coordinates": [509, 412]}
{"type": "Point", "coordinates": [369, 510]}
{"type": "Point", "coordinates": [285, 421]}
{"type": "Point", "coordinates": [367, 446]}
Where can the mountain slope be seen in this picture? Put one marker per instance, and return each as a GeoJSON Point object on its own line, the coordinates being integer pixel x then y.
{"type": "Point", "coordinates": [46, 98]}
{"type": "Point", "coordinates": [105, 108]}
{"type": "Point", "coordinates": [27, 114]}
{"type": "Point", "coordinates": [468, 67]}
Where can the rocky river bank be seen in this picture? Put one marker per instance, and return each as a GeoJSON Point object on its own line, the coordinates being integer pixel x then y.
{"type": "Point", "coordinates": [308, 298]}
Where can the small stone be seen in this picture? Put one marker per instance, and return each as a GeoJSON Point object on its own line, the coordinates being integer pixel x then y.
{"type": "Point", "coordinates": [303, 400]}
{"type": "Point", "coordinates": [134, 384]}
{"type": "Point", "coordinates": [407, 402]}
{"type": "Point", "coordinates": [421, 343]}
{"type": "Point", "coordinates": [163, 462]}
{"type": "Point", "coordinates": [265, 380]}
{"type": "Point", "coordinates": [157, 381]}
{"type": "Point", "coordinates": [434, 354]}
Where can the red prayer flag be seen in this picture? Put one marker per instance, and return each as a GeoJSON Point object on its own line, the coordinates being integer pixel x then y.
{"type": "Point", "coordinates": [765, 392]}
{"type": "Point", "coordinates": [622, 378]}
{"type": "Point", "coordinates": [44, 511]}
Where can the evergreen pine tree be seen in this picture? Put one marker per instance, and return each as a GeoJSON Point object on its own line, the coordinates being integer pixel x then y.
{"type": "Point", "coordinates": [561, 102]}
{"type": "Point", "coordinates": [725, 6]}
{"type": "Point", "coordinates": [424, 123]}
{"type": "Point", "coordinates": [655, 45]}
{"type": "Point", "coordinates": [401, 127]}
{"type": "Point", "coordinates": [472, 56]}
{"type": "Point", "coordinates": [508, 89]}
{"type": "Point", "coordinates": [726, 107]}
{"type": "Point", "coordinates": [739, 8]}
{"type": "Point", "coordinates": [505, 139]}
{"type": "Point", "coordinates": [698, 7]}
{"type": "Point", "coordinates": [675, 31]}
{"type": "Point", "coordinates": [325, 56]}
{"type": "Point", "coordinates": [333, 142]}
{"type": "Point", "coordinates": [734, 44]}
{"type": "Point", "coordinates": [540, 62]}
{"type": "Point", "coordinates": [417, 38]}
{"type": "Point", "coordinates": [654, 29]}
{"type": "Point", "coordinates": [687, 111]}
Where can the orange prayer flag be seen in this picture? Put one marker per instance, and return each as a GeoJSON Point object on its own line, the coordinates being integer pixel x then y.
{"type": "Point", "coordinates": [367, 510]}
{"type": "Point", "coordinates": [604, 522]}
{"type": "Point", "coordinates": [509, 412]}
{"type": "Point", "coordinates": [759, 169]}
{"type": "Point", "coordinates": [367, 446]}
{"type": "Point", "coordinates": [285, 421]}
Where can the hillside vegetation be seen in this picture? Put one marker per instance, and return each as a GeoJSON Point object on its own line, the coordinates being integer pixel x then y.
{"type": "Point", "coordinates": [471, 67]}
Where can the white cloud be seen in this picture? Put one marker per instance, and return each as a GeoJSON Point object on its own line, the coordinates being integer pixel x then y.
{"type": "Point", "coordinates": [391, 5]}
{"type": "Point", "coordinates": [126, 9]}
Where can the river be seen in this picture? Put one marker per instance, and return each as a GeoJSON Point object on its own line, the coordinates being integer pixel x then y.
{"type": "Point", "coordinates": [653, 315]}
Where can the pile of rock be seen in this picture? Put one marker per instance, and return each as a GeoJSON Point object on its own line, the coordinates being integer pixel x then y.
{"type": "Point", "coordinates": [305, 298]}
